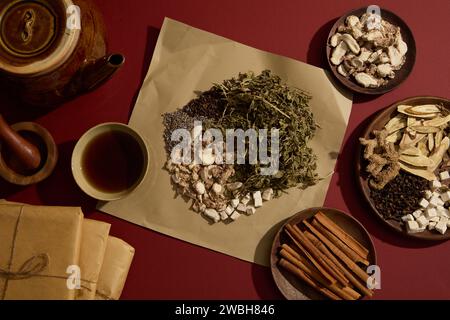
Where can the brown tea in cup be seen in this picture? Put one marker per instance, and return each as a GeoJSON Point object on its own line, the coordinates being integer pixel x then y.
{"type": "Point", "coordinates": [112, 161]}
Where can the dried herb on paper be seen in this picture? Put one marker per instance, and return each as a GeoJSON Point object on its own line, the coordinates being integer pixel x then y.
{"type": "Point", "coordinates": [261, 101]}
{"type": "Point", "coordinates": [265, 102]}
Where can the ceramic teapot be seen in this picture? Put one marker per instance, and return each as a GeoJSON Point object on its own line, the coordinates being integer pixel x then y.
{"type": "Point", "coordinates": [53, 50]}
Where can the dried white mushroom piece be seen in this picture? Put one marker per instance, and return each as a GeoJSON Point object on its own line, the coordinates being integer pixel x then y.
{"type": "Point", "coordinates": [342, 70]}
{"type": "Point", "coordinates": [351, 43]}
{"type": "Point", "coordinates": [385, 70]}
{"type": "Point", "coordinates": [335, 39]}
{"type": "Point", "coordinates": [395, 56]}
{"type": "Point", "coordinates": [366, 80]}
{"type": "Point", "coordinates": [338, 53]}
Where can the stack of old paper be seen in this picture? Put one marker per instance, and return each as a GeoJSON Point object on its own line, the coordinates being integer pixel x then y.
{"type": "Point", "coordinates": [55, 253]}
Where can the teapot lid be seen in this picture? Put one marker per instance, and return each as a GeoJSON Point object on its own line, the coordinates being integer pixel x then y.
{"type": "Point", "coordinates": [35, 35]}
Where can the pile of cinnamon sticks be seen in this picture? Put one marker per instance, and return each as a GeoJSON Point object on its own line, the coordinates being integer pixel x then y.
{"type": "Point", "coordinates": [327, 258]}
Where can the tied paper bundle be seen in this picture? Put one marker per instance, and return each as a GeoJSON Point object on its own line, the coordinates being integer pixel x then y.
{"type": "Point", "coordinates": [44, 246]}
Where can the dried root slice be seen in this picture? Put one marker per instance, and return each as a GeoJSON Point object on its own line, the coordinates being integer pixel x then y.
{"type": "Point", "coordinates": [437, 122]}
{"type": "Point", "coordinates": [408, 142]}
{"type": "Point", "coordinates": [430, 142]}
{"type": "Point", "coordinates": [425, 129]}
{"type": "Point", "coordinates": [424, 173]}
{"type": "Point", "coordinates": [395, 124]}
{"type": "Point", "coordinates": [417, 161]}
{"type": "Point", "coordinates": [438, 138]}
{"type": "Point", "coordinates": [438, 154]}
{"type": "Point", "coordinates": [411, 121]}
{"type": "Point", "coordinates": [413, 151]}
{"type": "Point", "coordinates": [394, 137]}
{"type": "Point", "coordinates": [410, 111]}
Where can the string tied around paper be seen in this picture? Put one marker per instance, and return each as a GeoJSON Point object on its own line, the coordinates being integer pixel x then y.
{"type": "Point", "coordinates": [30, 268]}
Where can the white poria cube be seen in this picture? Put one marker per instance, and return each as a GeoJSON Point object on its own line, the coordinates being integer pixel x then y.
{"type": "Point", "coordinates": [267, 194]}
{"type": "Point", "coordinates": [245, 200]}
{"type": "Point", "coordinates": [428, 194]}
{"type": "Point", "coordinates": [235, 203]}
{"type": "Point", "coordinates": [417, 213]}
{"type": "Point", "coordinates": [445, 196]}
{"type": "Point", "coordinates": [444, 175]}
{"type": "Point", "coordinates": [212, 214]}
{"type": "Point", "coordinates": [442, 212]}
{"type": "Point", "coordinates": [251, 210]}
{"type": "Point", "coordinates": [435, 219]}
{"type": "Point", "coordinates": [241, 207]}
{"type": "Point", "coordinates": [236, 215]}
{"type": "Point", "coordinates": [436, 201]}
{"type": "Point", "coordinates": [223, 215]}
{"type": "Point", "coordinates": [229, 210]}
{"type": "Point", "coordinates": [413, 227]}
{"type": "Point", "coordinates": [422, 221]}
{"type": "Point", "coordinates": [257, 198]}
{"type": "Point", "coordinates": [441, 227]}
{"type": "Point", "coordinates": [430, 213]}
{"type": "Point", "coordinates": [435, 184]}
{"type": "Point", "coordinates": [408, 217]}
{"type": "Point", "coordinates": [424, 203]}
{"type": "Point", "coordinates": [432, 225]}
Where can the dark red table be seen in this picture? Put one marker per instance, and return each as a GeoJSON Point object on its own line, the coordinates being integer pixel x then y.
{"type": "Point", "coordinates": [166, 268]}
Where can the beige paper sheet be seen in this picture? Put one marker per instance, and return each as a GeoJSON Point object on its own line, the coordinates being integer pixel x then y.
{"type": "Point", "coordinates": [92, 252]}
{"type": "Point", "coordinates": [185, 60]}
{"type": "Point", "coordinates": [114, 272]}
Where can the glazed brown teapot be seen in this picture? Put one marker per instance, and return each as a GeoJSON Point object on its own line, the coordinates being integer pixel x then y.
{"type": "Point", "coordinates": [53, 50]}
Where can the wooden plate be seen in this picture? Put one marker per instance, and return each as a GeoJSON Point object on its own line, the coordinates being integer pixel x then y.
{"type": "Point", "coordinates": [290, 286]}
{"type": "Point", "coordinates": [400, 75]}
{"type": "Point", "coordinates": [378, 123]}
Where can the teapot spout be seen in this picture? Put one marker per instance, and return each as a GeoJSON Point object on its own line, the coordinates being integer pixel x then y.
{"type": "Point", "coordinates": [97, 73]}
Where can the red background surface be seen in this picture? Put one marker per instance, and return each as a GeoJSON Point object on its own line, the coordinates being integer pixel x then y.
{"type": "Point", "coordinates": [166, 268]}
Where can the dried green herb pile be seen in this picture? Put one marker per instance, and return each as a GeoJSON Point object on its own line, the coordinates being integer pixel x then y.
{"type": "Point", "coordinates": [260, 102]}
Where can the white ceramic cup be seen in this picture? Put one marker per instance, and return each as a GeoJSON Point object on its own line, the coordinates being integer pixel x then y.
{"type": "Point", "coordinates": [77, 159]}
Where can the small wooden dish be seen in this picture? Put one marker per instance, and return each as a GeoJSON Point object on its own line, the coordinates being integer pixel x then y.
{"type": "Point", "coordinates": [400, 75]}
{"type": "Point", "coordinates": [377, 124]}
{"type": "Point", "coordinates": [49, 156]}
{"type": "Point", "coordinates": [291, 287]}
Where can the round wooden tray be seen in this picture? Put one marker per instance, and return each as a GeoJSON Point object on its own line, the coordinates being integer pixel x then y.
{"type": "Point", "coordinates": [400, 75]}
{"type": "Point", "coordinates": [290, 286]}
{"type": "Point", "coordinates": [377, 124]}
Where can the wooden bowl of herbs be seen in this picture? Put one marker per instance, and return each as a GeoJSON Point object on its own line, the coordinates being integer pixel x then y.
{"type": "Point", "coordinates": [404, 194]}
{"type": "Point", "coordinates": [322, 253]}
{"type": "Point", "coordinates": [386, 83]}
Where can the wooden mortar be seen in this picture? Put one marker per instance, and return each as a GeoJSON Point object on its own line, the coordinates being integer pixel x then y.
{"type": "Point", "coordinates": [48, 153]}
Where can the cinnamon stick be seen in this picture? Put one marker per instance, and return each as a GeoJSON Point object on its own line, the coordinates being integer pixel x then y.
{"type": "Point", "coordinates": [355, 295]}
{"type": "Point", "coordinates": [301, 275]}
{"type": "Point", "coordinates": [319, 267]}
{"type": "Point", "coordinates": [341, 245]}
{"type": "Point", "coordinates": [361, 287]}
{"type": "Point", "coordinates": [342, 235]}
{"type": "Point", "coordinates": [315, 276]}
{"type": "Point", "coordinates": [341, 255]}
{"type": "Point", "coordinates": [337, 274]}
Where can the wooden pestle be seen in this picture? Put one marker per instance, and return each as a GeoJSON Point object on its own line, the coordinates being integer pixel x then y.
{"type": "Point", "coordinates": [26, 153]}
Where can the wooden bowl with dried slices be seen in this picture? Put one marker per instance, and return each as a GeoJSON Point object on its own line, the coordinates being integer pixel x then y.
{"type": "Point", "coordinates": [323, 253]}
{"type": "Point", "coordinates": [403, 167]}
{"type": "Point", "coordinates": [367, 57]}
